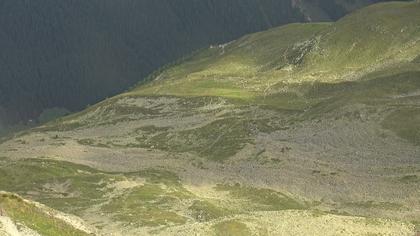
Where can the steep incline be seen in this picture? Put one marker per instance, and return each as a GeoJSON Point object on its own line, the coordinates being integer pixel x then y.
{"type": "Point", "coordinates": [71, 54]}
{"type": "Point", "coordinates": [383, 37]}
{"type": "Point", "coordinates": [23, 217]}
{"type": "Point", "coordinates": [295, 124]}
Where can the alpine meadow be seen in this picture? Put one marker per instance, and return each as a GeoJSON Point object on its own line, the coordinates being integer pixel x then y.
{"type": "Point", "coordinates": [307, 128]}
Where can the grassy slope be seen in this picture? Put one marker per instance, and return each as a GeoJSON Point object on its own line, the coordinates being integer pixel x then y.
{"type": "Point", "coordinates": [158, 201]}
{"type": "Point", "coordinates": [307, 69]}
{"type": "Point", "coordinates": [280, 66]}
{"type": "Point", "coordinates": [305, 66]}
{"type": "Point", "coordinates": [150, 200]}
{"type": "Point", "coordinates": [365, 41]}
{"type": "Point", "coordinates": [233, 70]}
{"type": "Point", "coordinates": [23, 212]}
{"type": "Point", "coordinates": [368, 57]}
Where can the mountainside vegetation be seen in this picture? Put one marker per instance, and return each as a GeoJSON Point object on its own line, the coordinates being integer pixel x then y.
{"type": "Point", "coordinates": [303, 129]}
{"type": "Point", "coordinates": [22, 217]}
{"type": "Point", "coordinates": [259, 65]}
{"type": "Point", "coordinates": [71, 54]}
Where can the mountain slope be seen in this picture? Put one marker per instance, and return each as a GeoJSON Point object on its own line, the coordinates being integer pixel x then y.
{"type": "Point", "coordinates": [155, 202]}
{"type": "Point", "coordinates": [23, 217]}
{"type": "Point", "coordinates": [284, 125]}
{"type": "Point", "coordinates": [306, 53]}
{"type": "Point", "coordinates": [69, 55]}
{"type": "Point", "coordinates": [328, 10]}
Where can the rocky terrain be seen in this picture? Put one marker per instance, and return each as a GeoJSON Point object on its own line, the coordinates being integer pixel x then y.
{"type": "Point", "coordinates": [305, 129]}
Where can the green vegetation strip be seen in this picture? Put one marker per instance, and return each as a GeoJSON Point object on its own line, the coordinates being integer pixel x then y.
{"type": "Point", "coordinates": [33, 217]}
{"type": "Point", "coordinates": [261, 199]}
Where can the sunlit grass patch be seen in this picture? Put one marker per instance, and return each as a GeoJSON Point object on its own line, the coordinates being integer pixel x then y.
{"type": "Point", "coordinates": [146, 205]}
{"type": "Point", "coordinates": [35, 218]}
{"type": "Point", "coordinates": [261, 199]}
{"type": "Point", "coordinates": [232, 228]}
{"type": "Point", "coordinates": [203, 210]}
{"type": "Point", "coordinates": [216, 141]}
